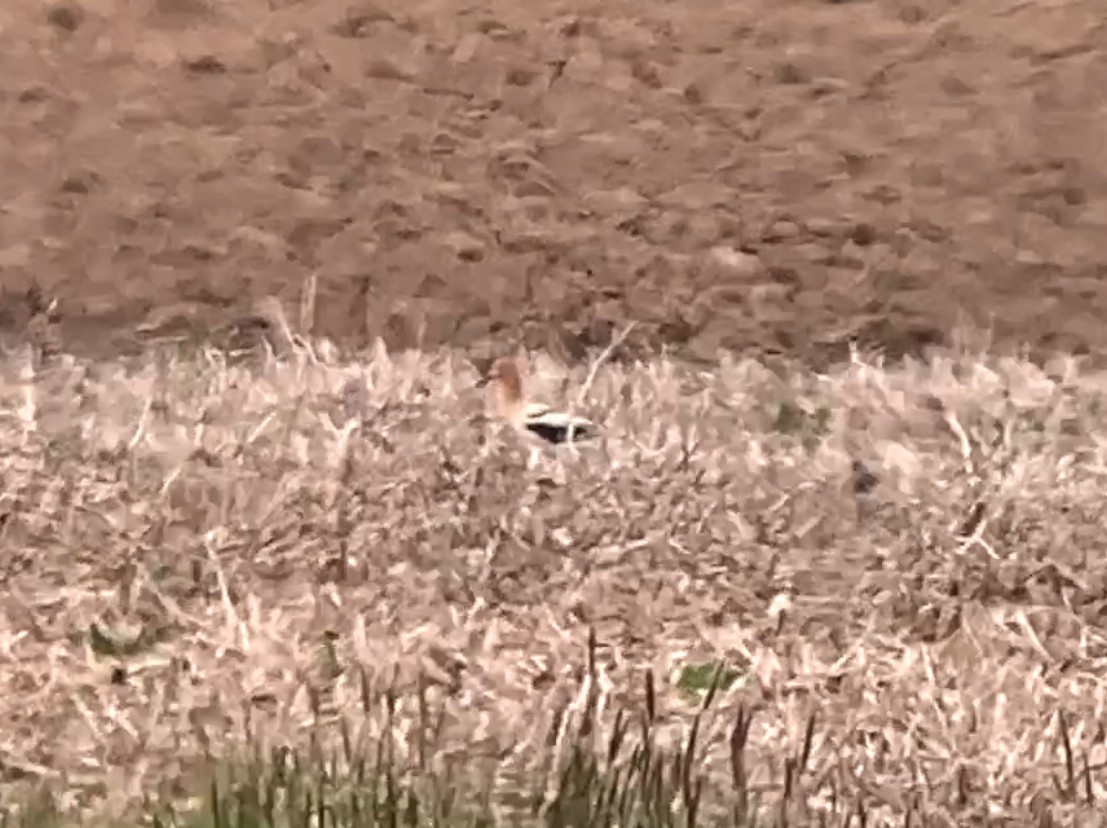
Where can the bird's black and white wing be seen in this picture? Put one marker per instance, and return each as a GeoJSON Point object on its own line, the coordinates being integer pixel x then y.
{"type": "Point", "coordinates": [557, 427]}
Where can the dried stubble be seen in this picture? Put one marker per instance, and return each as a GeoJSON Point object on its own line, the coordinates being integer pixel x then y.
{"type": "Point", "coordinates": [194, 552]}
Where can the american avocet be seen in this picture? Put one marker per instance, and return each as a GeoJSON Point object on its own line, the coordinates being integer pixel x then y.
{"type": "Point", "coordinates": [535, 418]}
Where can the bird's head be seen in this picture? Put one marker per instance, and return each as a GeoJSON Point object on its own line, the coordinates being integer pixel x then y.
{"type": "Point", "coordinates": [505, 377]}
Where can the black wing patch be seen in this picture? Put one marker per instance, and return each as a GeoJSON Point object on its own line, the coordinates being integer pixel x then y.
{"type": "Point", "coordinates": [556, 433]}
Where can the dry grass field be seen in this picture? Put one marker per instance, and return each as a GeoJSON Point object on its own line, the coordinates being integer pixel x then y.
{"type": "Point", "coordinates": [898, 566]}
{"type": "Point", "coordinates": [762, 175]}
{"type": "Point", "coordinates": [905, 560]}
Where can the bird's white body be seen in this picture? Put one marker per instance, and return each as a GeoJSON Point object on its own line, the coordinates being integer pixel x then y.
{"type": "Point", "coordinates": [535, 410]}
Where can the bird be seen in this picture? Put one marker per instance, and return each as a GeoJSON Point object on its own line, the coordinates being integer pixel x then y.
{"type": "Point", "coordinates": [538, 419]}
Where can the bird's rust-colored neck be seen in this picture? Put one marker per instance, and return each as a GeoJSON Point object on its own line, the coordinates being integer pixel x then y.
{"type": "Point", "coordinates": [508, 384]}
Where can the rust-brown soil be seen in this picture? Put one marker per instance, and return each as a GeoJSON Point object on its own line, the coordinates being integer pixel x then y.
{"type": "Point", "coordinates": [767, 175]}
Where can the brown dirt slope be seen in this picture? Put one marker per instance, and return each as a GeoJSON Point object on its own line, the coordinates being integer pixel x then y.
{"type": "Point", "coordinates": [756, 174]}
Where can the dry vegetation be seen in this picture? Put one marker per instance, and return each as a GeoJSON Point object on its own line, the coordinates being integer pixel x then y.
{"type": "Point", "coordinates": [195, 550]}
{"type": "Point", "coordinates": [896, 565]}
{"type": "Point", "coordinates": [750, 174]}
